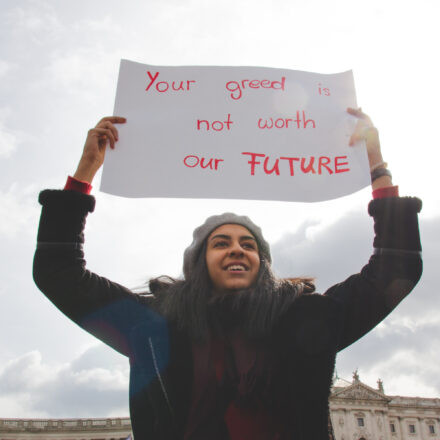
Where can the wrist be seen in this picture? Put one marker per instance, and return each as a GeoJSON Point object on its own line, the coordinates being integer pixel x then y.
{"type": "Point", "coordinates": [382, 182]}
{"type": "Point", "coordinates": [85, 172]}
{"type": "Point", "coordinates": [84, 175]}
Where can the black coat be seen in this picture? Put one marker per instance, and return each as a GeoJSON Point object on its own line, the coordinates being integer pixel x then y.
{"type": "Point", "coordinates": [306, 338]}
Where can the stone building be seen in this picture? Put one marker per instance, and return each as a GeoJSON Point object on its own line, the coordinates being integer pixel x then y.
{"type": "Point", "coordinates": [358, 412]}
{"type": "Point", "coordinates": [65, 429]}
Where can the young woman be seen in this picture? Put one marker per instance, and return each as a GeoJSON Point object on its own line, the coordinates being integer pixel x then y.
{"type": "Point", "coordinates": [229, 351]}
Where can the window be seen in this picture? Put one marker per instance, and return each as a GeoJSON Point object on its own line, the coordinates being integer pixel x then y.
{"type": "Point", "coordinates": [431, 429]}
{"type": "Point", "coordinates": [412, 429]}
{"type": "Point", "coordinates": [392, 427]}
{"type": "Point", "coordinates": [360, 421]}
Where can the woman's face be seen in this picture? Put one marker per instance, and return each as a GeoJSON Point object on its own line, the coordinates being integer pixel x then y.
{"type": "Point", "coordinates": [232, 258]}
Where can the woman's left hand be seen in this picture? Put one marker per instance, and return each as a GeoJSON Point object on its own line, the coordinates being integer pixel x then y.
{"type": "Point", "coordinates": [365, 130]}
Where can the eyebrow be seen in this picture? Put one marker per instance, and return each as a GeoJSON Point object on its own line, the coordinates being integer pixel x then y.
{"type": "Point", "coordinates": [228, 237]}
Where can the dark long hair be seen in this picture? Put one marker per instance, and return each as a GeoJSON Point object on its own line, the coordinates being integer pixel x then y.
{"type": "Point", "coordinates": [190, 303]}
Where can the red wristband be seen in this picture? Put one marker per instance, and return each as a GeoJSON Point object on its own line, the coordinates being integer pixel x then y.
{"type": "Point", "coordinates": [387, 191]}
{"type": "Point", "coordinates": [73, 184]}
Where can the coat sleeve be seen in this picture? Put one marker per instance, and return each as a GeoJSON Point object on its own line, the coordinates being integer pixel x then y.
{"type": "Point", "coordinates": [106, 309]}
{"type": "Point", "coordinates": [391, 273]}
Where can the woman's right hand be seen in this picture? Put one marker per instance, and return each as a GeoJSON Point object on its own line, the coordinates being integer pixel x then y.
{"type": "Point", "coordinates": [105, 133]}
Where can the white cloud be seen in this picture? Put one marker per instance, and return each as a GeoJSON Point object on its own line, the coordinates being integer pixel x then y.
{"type": "Point", "coordinates": [329, 253]}
{"type": "Point", "coordinates": [77, 389]}
{"type": "Point", "coordinates": [407, 372]}
{"type": "Point", "coordinates": [5, 67]}
{"type": "Point", "coordinates": [103, 24]}
{"type": "Point", "coordinates": [8, 142]}
{"type": "Point", "coordinates": [25, 373]}
{"type": "Point", "coordinates": [18, 210]}
{"type": "Point", "coordinates": [81, 72]}
{"type": "Point", "coordinates": [36, 18]}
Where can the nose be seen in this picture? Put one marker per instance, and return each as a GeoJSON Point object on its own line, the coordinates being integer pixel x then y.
{"type": "Point", "coordinates": [235, 250]}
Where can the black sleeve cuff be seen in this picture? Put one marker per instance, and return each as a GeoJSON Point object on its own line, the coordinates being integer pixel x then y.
{"type": "Point", "coordinates": [63, 216]}
{"type": "Point", "coordinates": [73, 200]}
{"type": "Point", "coordinates": [396, 223]}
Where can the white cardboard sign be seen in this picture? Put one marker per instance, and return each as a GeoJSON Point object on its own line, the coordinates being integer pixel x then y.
{"type": "Point", "coordinates": [235, 133]}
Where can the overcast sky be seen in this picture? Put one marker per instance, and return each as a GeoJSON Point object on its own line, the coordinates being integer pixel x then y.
{"type": "Point", "coordinates": [58, 69]}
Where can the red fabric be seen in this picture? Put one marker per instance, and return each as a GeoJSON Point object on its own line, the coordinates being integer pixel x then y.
{"type": "Point", "coordinates": [73, 184]}
{"type": "Point", "coordinates": [244, 424]}
{"type": "Point", "coordinates": [249, 425]}
{"type": "Point", "coordinates": [387, 191]}
{"type": "Point", "coordinates": [209, 373]}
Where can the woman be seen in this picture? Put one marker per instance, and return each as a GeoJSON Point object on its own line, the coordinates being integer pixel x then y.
{"type": "Point", "coordinates": [229, 352]}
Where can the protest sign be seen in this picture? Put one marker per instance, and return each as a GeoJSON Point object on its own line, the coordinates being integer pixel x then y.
{"type": "Point", "coordinates": [234, 132]}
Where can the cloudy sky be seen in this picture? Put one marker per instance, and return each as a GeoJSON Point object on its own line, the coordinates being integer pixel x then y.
{"type": "Point", "coordinates": [58, 69]}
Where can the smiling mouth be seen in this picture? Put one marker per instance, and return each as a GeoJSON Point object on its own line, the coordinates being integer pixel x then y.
{"type": "Point", "coordinates": [236, 268]}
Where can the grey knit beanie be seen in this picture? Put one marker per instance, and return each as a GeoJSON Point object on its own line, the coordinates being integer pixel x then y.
{"type": "Point", "coordinates": [201, 233]}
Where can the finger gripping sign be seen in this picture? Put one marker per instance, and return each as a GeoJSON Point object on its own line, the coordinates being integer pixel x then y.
{"type": "Point", "coordinates": [234, 133]}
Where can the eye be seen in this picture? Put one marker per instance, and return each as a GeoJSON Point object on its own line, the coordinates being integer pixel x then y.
{"type": "Point", "coordinates": [249, 245]}
{"type": "Point", "coordinates": [220, 244]}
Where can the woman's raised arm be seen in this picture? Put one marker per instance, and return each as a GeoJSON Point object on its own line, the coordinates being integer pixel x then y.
{"type": "Point", "coordinates": [104, 308]}
{"type": "Point", "coordinates": [104, 134]}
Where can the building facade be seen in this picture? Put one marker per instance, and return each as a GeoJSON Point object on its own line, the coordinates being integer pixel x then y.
{"type": "Point", "coordinates": [66, 429]}
{"type": "Point", "coordinates": [357, 411]}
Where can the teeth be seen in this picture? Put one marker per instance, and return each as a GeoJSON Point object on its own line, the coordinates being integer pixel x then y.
{"type": "Point", "coordinates": [236, 267]}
